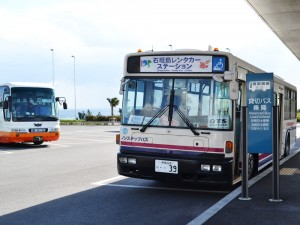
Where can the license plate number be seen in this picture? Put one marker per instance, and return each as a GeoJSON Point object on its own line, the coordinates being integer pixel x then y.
{"type": "Point", "coordinates": [164, 166]}
{"type": "Point", "coordinates": [38, 130]}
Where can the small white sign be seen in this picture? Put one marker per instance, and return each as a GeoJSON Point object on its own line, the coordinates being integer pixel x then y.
{"type": "Point", "coordinates": [218, 121]}
{"type": "Point", "coordinates": [133, 119]}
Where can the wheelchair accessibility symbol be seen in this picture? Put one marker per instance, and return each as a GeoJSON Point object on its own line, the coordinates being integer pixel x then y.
{"type": "Point", "coordinates": [218, 64]}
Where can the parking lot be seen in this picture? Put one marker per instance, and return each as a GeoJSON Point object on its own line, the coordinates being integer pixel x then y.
{"type": "Point", "coordinates": [75, 181]}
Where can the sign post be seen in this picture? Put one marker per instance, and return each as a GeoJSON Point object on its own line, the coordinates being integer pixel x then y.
{"type": "Point", "coordinates": [260, 100]}
{"type": "Point", "coordinates": [275, 174]}
{"type": "Point", "coordinates": [244, 144]}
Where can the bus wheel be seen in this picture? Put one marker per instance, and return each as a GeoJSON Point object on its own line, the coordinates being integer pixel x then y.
{"type": "Point", "coordinates": [287, 146]}
{"type": "Point", "coordinates": [38, 142]}
{"type": "Point", "coordinates": [252, 165]}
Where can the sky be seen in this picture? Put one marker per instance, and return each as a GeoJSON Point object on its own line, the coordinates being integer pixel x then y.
{"type": "Point", "coordinates": [99, 33]}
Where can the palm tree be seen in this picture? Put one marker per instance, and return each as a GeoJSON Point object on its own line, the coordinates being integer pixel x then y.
{"type": "Point", "coordinates": [113, 102]}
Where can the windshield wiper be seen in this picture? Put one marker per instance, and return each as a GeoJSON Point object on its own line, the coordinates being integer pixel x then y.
{"type": "Point", "coordinates": [186, 120]}
{"type": "Point", "coordinates": [157, 115]}
{"type": "Point", "coordinates": [180, 113]}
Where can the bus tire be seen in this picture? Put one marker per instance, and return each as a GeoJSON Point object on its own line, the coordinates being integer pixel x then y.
{"type": "Point", "coordinates": [252, 165]}
{"type": "Point", "coordinates": [287, 145]}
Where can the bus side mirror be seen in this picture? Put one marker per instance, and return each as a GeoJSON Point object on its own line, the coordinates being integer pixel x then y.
{"type": "Point", "coordinates": [62, 100]}
{"type": "Point", "coordinates": [5, 104]}
{"type": "Point", "coordinates": [122, 85]}
{"type": "Point", "coordinates": [234, 90]}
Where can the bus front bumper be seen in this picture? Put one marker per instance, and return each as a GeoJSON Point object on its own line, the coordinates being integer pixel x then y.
{"type": "Point", "coordinates": [19, 137]}
{"type": "Point", "coordinates": [198, 170]}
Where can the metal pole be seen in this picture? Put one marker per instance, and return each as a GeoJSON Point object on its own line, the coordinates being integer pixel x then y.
{"type": "Point", "coordinates": [52, 65]}
{"type": "Point", "coordinates": [74, 87]}
{"type": "Point", "coordinates": [244, 146]}
{"type": "Point", "coordinates": [275, 174]}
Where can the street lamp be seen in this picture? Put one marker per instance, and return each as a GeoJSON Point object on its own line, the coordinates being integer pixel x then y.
{"type": "Point", "coordinates": [74, 86]}
{"type": "Point", "coordinates": [52, 65]}
{"type": "Point", "coordinates": [171, 47]}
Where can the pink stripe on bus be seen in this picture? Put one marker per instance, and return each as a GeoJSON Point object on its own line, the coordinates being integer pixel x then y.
{"type": "Point", "coordinates": [172, 147]}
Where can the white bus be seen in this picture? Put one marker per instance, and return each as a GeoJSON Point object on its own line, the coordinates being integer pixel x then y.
{"type": "Point", "coordinates": [259, 85]}
{"type": "Point", "coordinates": [29, 113]}
{"type": "Point", "coordinates": [181, 116]}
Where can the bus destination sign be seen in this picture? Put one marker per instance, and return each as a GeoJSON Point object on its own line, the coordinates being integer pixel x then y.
{"type": "Point", "coordinates": [183, 64]}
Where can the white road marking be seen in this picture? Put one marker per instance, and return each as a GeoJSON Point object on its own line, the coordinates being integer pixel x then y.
{"type": "Point", "coordinates": [4, 152]}
{"type": "Point", "coordinates": [109, 182]}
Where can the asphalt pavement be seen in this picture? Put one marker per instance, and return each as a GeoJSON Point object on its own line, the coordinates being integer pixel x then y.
{"type": "Point", "coordinates": [261, 209]}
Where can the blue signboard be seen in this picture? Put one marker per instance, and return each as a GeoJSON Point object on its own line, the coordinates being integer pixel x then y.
{"type": "Point", "coordinates": [260, 99]}
{"type": "Point", "coordinates": [218, 64]}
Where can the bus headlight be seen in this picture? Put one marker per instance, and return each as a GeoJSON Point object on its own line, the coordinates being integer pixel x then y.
{"type": "Point", "coordinates": [205, 167]}
{"type": "Point", "coordinates": [217, 168]}
{"type": "Point", "coordinates": [123, 159]}
{"type": "Point", "coordinates": [131, 161]}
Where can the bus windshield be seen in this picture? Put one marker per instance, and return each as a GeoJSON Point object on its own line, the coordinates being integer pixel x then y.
{"type": "Point", "coordinates": [171, 102]}
{"type": "Point", "coordinates": [33, 104]}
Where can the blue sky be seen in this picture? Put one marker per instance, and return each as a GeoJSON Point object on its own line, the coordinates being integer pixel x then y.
{"type": "Point", "coordinates": [100, 33]}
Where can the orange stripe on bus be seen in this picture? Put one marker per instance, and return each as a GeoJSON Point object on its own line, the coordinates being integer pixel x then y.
{"type": "Point", "coordinates": [14, 137]}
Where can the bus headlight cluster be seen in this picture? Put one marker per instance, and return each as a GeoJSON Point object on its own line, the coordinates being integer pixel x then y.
{"type": "Point", "coordinates": [127, 160]}
{"type": "Point", "coordinates": [214, 168]}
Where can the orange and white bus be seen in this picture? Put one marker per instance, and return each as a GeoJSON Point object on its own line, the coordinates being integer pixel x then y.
{"type": "Point", "coordinates": [29, 113]}
{"type": "Point", "coordinates": [181, 116]}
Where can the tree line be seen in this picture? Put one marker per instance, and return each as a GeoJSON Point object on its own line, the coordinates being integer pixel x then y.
{"type": "Point", "coordinates": [88, 116]}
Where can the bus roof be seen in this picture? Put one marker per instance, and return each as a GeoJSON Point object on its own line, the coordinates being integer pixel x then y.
{"type": "Point", "coordinates": [27, 84]}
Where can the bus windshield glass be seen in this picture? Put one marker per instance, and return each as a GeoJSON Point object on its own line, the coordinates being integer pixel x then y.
{"type": "Point", "coordinates": [33, 104]}
{"type": "Point", "coordinates": [171, 102]}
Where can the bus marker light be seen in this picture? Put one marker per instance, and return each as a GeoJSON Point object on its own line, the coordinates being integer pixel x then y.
{"type": "Point", "coordinates": [131, 161]}
{"type": "Point", "coordinates": [123, 159]}
{"type": "Point", "coordinates": [117, 139]}
{"type": "Point", "coordinates": [217, 168]}
{"type": "Point", "coordinates": [229, 147]}
{"type": "Point", "coordinates": [205, 167]}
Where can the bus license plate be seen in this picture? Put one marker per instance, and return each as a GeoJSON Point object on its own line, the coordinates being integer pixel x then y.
{"type": "Point", "coordinates": [164, 166]}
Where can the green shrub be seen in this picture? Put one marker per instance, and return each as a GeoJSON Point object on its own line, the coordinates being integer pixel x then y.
{"type": "Point", "coordinates": [100, 118]}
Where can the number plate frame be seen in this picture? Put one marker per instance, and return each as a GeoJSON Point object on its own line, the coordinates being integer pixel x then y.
{"type": "Point", "coordinates": [166, 166]}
